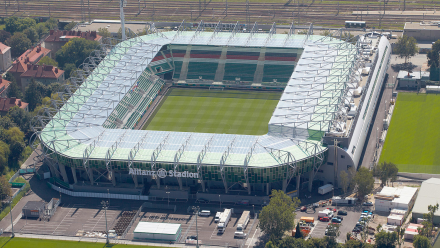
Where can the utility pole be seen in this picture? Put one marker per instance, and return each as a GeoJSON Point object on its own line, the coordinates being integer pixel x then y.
{"type": "Point", "coordinates": [10, 213]}
{"type": "Point", "coordinates": [82, 10]}
{"type": "Point", "coordinates": [88, 6]}
{"type": "Point", "coordinates": [49, 11]}
{"type": "Point", "coordinates": [226, 7]}
{"type": "Point", "coordinates": [404, 5]}
{"type": "Point", "coordinates": [122, 4]}
{"type": "Point", "coordinates": [338, 10]}
{"type": "Point", "coordinates": [248, 18]}
{"type": "Point", "coordinates": [335, 173]}
{"type": "Point", "coordinates": [105, 207]}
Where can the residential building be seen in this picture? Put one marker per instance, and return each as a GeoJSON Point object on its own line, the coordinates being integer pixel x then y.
{"type": "Point", "coordinates": [5, 57]}
{"type": "Point", "coordinates": [58, 38]}
{"type": "Point", "coordinates": [428, 195]}
{"type": "Point", "coordinates": [4, 85]}
{"type": "Point", "coordinates": [7, 103]}
{"type": "Point", "coordinates": [31, 56]}
{"type": "Point", "coordinates": [46, 74]}
{"type": "Point", "coordinates": [395, 198]}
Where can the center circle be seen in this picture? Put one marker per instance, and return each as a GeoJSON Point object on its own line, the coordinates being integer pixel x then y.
{"type": "Point", "coordinates": [162, 173]}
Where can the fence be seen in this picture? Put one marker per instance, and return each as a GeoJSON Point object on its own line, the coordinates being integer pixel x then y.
{"type": "Point", "coordinates": [99, 195]}
{"type": "Point", "coordinates": [132, 221]}
{"type": "Point", "coordinates": [159, 206]}
{"type": "Point", "coordinates": [21, 185]}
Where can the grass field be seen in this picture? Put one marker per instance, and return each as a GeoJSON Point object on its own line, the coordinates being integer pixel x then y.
{"type": "Point", "coordinates": [214, 111]}
{"type": "Point", "coordinates": [413, 139]}
{"type": "Point", "coordinates": [6, 242]}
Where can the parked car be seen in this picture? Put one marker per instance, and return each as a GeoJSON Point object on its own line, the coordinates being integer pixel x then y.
{"type": "Point", "coordinates": [192, 237]}
{"type": "Point", "coordinates": [202, 200]}
{"type": "Point", "coordinates": [342, 212]}
{"type": "Point", "coordinates": [243, 202]}
{"type": "Point", "coordinates": [303, 208]}
{"type": "Point", "coordinates": [325, 219]}
{"type": "Point", "coordinates": [332, 209]}
{"type": "Point", "coordinates": [336, 220]}
{"type": "Point", "coordinates": [368, 204]}
{"type": "Point", "coordinates": [205, 213]}
{"type": "Point", "coordinates": [357, 230]}
{"type": "Point", "coordinates": [339, 217]}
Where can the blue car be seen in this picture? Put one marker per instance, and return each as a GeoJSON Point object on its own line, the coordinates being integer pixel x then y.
{"type": "Point", "coordinates": [336, 220]}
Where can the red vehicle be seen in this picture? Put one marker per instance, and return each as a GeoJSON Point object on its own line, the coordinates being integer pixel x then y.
{"type": "Point", "coordinates": [303, 208]}
{"type": "Point", "coordinates": [325, 219]}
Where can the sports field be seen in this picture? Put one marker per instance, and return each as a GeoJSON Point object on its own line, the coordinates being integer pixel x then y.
{"type": "Point", "coordinates": [214, 111]}
{"type": "Point", "coordinates": [8, 242]}
{"type": "Point", "coordinates": [413, 139]}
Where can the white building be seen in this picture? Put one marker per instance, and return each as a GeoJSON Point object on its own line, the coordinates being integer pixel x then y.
{"type": "Point", "coordinates": [157, 231]}
{"type": "Point", "coordinates": [395, 198]}
{"type": "Point", "coordinates": [5, 57]}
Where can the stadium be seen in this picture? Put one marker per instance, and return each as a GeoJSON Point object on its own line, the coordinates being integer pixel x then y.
{"type": "Point", "coordinates": [92, 137]}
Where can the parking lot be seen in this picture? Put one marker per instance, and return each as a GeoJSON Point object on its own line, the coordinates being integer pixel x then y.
{"type": "Point", "coordinates": [205, 227]}
{"type": "Point", "coordinates": [69, 220]}
{"type": "Point", "coordinates": [347, 225]}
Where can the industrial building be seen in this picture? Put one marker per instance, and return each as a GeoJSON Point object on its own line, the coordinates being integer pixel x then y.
{"type": "Point", "coordinates": [157, 231]}
{"type": "Point", "coordinates": [95, 141]}
{"type": "Point", "coordinates": [423, 31]}
{"type": "Point", "coordinates": [411, 80]}
{"type": "Point", "coordinates": [390, 198]}
{"type": "Point", "coordinates": [428, 195]}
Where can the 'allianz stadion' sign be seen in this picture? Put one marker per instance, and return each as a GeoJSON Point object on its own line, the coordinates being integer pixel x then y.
{"type": "Point", "coordinates": [162, 173]}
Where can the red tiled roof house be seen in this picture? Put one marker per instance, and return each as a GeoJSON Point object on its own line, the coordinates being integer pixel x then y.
{"type": "Point", "coordinates": [58, 38]}
{"type": "Point", "coordinates": [5, 57]}
{"type": "Point", "coordinates": [46, 74]}
{"type": "Point", "coordinates": [4, 85]}
{"type": "Point", "coordinates": [31, 56]}
{"type": "Point", "coordinates": [7, 103]}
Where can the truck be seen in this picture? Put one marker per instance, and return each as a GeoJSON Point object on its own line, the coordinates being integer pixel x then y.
{"type": "Point", "coordinates": [218, 215]}
{"type": "Point", "coordinates": [324, 213]}
{"type": "Point", "coordinates": [242, 223]}
{"type": "Point", "coordinates": [224, 220]}
{"type": "Point", "coordinates": [325, 189]}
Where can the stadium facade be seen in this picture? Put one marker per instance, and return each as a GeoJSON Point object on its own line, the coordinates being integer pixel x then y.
{"type": "Point", "coordinates": [88, 134]}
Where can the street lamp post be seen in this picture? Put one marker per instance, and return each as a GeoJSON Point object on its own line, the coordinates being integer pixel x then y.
{"type": "Point", "coordinates": [168, 193]}
{"type": "Point", "coordinates": [253, 208]}
{"type": "Point", "coordinates": [197, 230]}
{"type": "Point", "coordinates": [105, 205]}
{"type": "Point", "coordinates": [220, 200]}
{"type": "Point", "coordinates": [59, 189]}
{"type": "Point", "coordinates": [10, 213]}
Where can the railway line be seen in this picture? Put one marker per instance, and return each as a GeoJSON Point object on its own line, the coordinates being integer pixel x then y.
{"type": "Point", "coordinates": [327, 13]}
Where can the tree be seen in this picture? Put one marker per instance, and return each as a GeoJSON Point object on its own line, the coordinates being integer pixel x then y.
{"type": "Point", "coordinates": [386, 240]}
{"type": "Point", "coordinates": [32, 34]}
{"type": "Point", "coordinates": [14, 24]}
{"type": "Point", "coordinates": [32, 95]}
{"type": "Point", "coordinates": [379, 228]}
{"type": "Point", "coordinates": [47, 61]}
{"type": "Point", "coordinates": [104, 33]}
{"type": "Point", "coordinates": [364, 182]}
{"type": "Point", "coordinates": [298, 233]}
{"type": "Point", "coordinates": [357, 244]}
{"type": "Point", "coordinates": [4, 155]}
{"type": "Point", "coordinates": [51, 23]}
{"type": "Point", "coordinates": [4, 35]}
{"type": "Point", "coordinates": [41, 29]}
{"type": "Point", "coordinates": [69, 68]}
{"type": "Point", "coordinates": [343, 179]}
{"type": "Point", "coordinates": [428, 224]}
{"type": "Point", "coordinates": [6, 122]}
{"type": "Point", "coordinates": [333, 230]}
{"type": "Point", "coordinates": [5, 187]}
{"type": "Point", "coordinates": [14, 90]}
{"type": "Point", "coordinates": [290, 242]}
{"type": "Point", "coordinates": [400, 234]}
{"type": "Point", "coordinates": [19, 43]}
{"type": "Point", "coordinates": [385, 171]}
{"type": "Point", "coordinates": [406, 47]}
{"type": "Point", "coordinates": [70, 25]}
{"type": "Point", "coordinates": [21, 118]}
{"type": "Point", "coordinates": [14, 134]}
{"type": "Point", "coordinates": [75, 51]}
{"type": "Point", "coordinates": [351, 175]}
{"type": "Point", "coordinates": [421, 242]}
{"type": "Point", "coordinates": [433, 55]}
{"type": "Point", "coordinates": [279, 215]}
{"type": "Point", "coordinates": [305, 31]}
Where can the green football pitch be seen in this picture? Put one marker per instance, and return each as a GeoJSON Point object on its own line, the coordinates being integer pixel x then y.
{"type": "Point", "coordinates": [413, 139]}
{"type": "Point", "coordinates": [8, 242]}
{"type": "Point", "coordinates": [214, 111]}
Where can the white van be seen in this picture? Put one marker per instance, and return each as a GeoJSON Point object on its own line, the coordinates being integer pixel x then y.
{"type": "Point", "coordinates": [205, 213]}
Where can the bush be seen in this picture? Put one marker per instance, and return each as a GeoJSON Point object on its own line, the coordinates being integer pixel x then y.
{"type": "Point", "coordinates": [16, 199]}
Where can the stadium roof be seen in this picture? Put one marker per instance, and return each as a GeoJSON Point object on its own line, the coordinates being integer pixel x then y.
{"type": "Point", "coordinates": [311, 101]}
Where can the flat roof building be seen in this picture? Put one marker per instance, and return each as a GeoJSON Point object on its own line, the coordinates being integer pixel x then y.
{"type": "Point", "coordinates": [111, 25]}
{"type": "Point", "coordinates": [157, 231]}
{"type": "Point", "coordinates": [395, 198]}
{"type": "Point", "coordinates": [411, 80]}
{"type": "Point", "coordinates": [429, 194]}
{"type": "Point", "coordinates": [5, 57]}
{"type": "Point", "coordinates": [33, 209]}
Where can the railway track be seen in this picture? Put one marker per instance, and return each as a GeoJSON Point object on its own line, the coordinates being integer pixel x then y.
{"type": "Point", "coordinates": [324, 14]}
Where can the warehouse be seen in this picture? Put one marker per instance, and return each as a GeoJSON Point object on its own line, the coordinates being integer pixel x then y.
{"type": "Point", "coordinates": [157, 231]}
{"type": "Point", "coordinates": [423, 31]}
{"type": "Point", "coordinates": [395, 198]}
{"type": "Point", "coordinates": [428, 195]}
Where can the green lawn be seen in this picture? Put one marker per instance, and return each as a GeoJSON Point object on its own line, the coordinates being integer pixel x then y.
{"type": "Point", "coordinates": [6, 242]}
{"type": "Point", "coordinates": [215, 111]}
{"type": "Point", "coordinates": [413, 139]}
